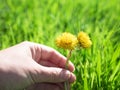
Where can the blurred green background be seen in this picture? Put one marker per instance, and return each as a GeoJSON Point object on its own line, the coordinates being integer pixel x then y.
{"type": "Point", "coordinates": [41, 21]}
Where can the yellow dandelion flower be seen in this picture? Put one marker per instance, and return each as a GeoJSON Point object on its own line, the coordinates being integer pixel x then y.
{"type": "Point", "coordinates": [66, 41]}
{"type": "Point", "coordinates": [84, 40]}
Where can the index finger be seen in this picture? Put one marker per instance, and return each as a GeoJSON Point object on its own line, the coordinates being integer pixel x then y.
{"type": "Point", "coordinates": [55, 57]}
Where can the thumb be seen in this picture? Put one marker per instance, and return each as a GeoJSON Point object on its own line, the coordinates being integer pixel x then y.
{"type": "Point", "coordinates": [53, 75]}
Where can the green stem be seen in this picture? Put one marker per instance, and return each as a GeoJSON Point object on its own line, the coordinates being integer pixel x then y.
{"type": "Point", "coordinates": [68, 57]}
{"type": "Point", "coordinates": [66, 84]}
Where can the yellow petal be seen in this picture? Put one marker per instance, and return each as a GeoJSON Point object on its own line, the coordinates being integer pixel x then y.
{"type": "Point", "coordinates": [66, 41]}
{"type": "Point", "coordinates": [84, 40]}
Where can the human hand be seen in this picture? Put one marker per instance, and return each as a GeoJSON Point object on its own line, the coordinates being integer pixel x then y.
{"type": "Point", "coordinates": [34, 67]}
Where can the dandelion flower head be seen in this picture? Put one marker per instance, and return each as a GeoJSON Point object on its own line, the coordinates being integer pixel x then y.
{"type": "Point", "coordinates": [84, 40]}
{"type": "Point", "coordinates": [67, 41]}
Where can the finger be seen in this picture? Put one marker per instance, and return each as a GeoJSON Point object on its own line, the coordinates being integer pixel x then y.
{"type": "Point", "coordinates": [52, 74]}
{"type": "Point", "coordinates": [55, 57]}
{"type": "Point", "coordinates": [47, 63]}
{"type": "Point", "coordinates": [50, 64]}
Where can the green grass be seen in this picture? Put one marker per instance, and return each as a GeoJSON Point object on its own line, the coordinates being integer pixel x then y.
{"type": "Point", "coordinates": [97, 68]}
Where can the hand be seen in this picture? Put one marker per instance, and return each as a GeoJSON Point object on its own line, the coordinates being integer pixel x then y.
{"type": "Point", "coordinates": [34, 67]}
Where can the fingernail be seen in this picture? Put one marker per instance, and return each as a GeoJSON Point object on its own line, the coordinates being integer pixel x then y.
{"type": "Point", "coordinates": [72, 78]}
{"type": "Point", "coordinates": [72, 68]}
{"type": "Point", "coordinates": [67, 74]}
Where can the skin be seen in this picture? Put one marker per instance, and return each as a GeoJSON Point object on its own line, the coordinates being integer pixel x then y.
{"type": "Point", "coordinates": [31, 66]}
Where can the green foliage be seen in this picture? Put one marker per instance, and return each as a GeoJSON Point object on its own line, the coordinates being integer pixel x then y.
{"type": "Point", "coordinates": [41, 21]}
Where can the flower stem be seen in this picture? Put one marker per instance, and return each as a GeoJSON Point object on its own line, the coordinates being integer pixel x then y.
{"type": "Point", "coordinates": [66, 84]}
